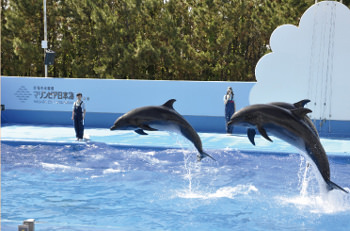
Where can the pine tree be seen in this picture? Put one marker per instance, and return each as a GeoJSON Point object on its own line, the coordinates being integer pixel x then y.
{"type": "Point", "coordinates": [217, 40]}
{"type": "Point", "coordinates": [22, 29]}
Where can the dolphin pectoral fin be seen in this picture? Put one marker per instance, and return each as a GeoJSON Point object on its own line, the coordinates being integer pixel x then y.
{"type": "Point", "coordinates": [147, 128]}
{"type": "Point", "coordinates": [301, 103]}
{"type": "Point", "coordinates": [251, 134]}
{"type": "Point", "coordinates": [300, 112]}
{"type": "Point", "coordinates": [140, 132]}
{"type": "Point", "coordinates": [331, 185]}
{"type": "Point", "coordinates": [262, 132]}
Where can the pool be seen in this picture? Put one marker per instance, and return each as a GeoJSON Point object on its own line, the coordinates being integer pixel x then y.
{"type": "Point", "coordinates": [123, 181]}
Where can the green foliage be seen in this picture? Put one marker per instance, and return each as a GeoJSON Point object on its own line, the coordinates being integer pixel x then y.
{"type": "Point", "coordinates": [218, 40]}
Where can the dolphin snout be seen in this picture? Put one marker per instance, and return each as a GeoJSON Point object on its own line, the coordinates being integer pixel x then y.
{"type": "Point", "coordinates": [118, 124]}
{"type": "Point", "coordinates": [232, 120]}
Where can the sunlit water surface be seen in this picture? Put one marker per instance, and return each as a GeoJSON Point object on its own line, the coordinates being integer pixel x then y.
{"type": "Point", "coordinates": [98, 186]}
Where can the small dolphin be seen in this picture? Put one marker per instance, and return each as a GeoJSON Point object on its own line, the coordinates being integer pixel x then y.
{"type": "Point", "coordinates": [299, 104]}
{"type": "Point", "coordinates": [251, 131]}
{"type": "Point", "coordinates": [164, 117]}
{"type": "Point", "coordinates": [290, 126]}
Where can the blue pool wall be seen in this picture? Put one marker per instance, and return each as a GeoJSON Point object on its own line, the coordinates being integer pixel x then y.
{"type": "Point", "coordinates": [35, 100]}
{"type": "Point", "coordinates": [48, 101]}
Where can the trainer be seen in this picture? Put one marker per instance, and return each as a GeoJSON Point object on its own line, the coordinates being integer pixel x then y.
{"type": "Point", "coordinates": [78, 116]}
{"type": "Point", "coordinates": [230, 108]}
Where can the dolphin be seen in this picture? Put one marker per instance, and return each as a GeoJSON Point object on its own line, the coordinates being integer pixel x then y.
{"type": "Point", "coordinates": [290, 126]}
{"type": "Point", "coordinates": [251, 131]}
{"type": "Point", "coordinates": [299, 104]}
{"type": "Point", "coordinates": [154, 118]}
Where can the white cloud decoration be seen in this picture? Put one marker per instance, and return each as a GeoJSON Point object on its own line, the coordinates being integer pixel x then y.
{"type": "Point", "coordinates": [309, 61]}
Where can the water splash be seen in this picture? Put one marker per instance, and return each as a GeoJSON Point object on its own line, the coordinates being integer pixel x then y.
{"type": "Point", "coordinates": [224, 192]}
{"type": "Point", "coordinates": [320, 200]}
{"type": "Point", "coordinates": [194, 190]}
{"type": "Point", "coordinates": [305, 176]}
{"type": "Point", "coordinates": [63, 168]}
{"type": "Point", "coordinates": [191, 169]}
{"type": "Point", "coordinates": [331, 202]}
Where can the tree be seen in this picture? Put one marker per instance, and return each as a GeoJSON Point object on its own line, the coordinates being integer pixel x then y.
{"type": "Point", "coordinates": [216, 40]}
{"type": "Point", "coordinates": [21, 38]}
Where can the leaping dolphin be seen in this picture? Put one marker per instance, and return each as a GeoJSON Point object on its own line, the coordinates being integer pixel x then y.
{"type": "Point", "coordinates": [296, 105]}
{"type": "Point", "coordinates": [164, 117]}
{"type": "Point", "coordinates": [290, 126]}
{"type": "Point", "coordinates": [251, 131]}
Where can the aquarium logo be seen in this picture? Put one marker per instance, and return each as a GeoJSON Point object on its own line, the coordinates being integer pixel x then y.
{"type": "Point", "coordinates": [22, 94]}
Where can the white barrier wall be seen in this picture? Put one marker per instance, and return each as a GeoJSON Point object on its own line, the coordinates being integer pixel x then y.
{"type": "Point", "coordinates": [50, 101]}
{"type": "Point", "coordinates": [35, 100]}
{"type": "Point", "coordinates": [309, 61]}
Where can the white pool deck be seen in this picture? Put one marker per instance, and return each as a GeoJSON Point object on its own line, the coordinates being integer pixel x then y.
{"type": "Point", "coordinates": [66, 135]}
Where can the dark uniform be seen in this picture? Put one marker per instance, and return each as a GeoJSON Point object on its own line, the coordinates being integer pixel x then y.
{"type": "Point", "coordinates": [78, 120]}
{"type": "Point", "coordinates": [229, 110]}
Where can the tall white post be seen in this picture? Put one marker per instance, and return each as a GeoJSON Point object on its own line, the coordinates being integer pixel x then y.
{"type": "Point", "coordinates": [45, 34]}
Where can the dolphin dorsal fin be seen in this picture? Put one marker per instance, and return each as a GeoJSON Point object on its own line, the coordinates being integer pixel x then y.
{"type": "Point", "coordinates": [301, 103]}
{"type": "Point", "coordinates": [169, 104]}
{"type": "Point", "coordinates": [300, 112]}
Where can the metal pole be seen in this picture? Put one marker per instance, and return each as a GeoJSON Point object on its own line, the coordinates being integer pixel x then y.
{"type": "Point", "coordinates": [45, 34]}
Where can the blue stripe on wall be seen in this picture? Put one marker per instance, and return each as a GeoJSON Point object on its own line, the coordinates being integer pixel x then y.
{"type": "Point", "coordinates": [103, 120]}
{"type": "Point", "coordinates": [329, 128]}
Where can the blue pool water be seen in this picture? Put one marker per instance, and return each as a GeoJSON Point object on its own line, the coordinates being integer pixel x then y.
{"type": "Point", "coordinates": [121, 181]}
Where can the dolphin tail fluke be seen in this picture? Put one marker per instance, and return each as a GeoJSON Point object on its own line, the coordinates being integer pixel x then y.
{"type": "Point", "coordinates": [332, 185]}
{"type": "Point", "coordinates": [202, 155]}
